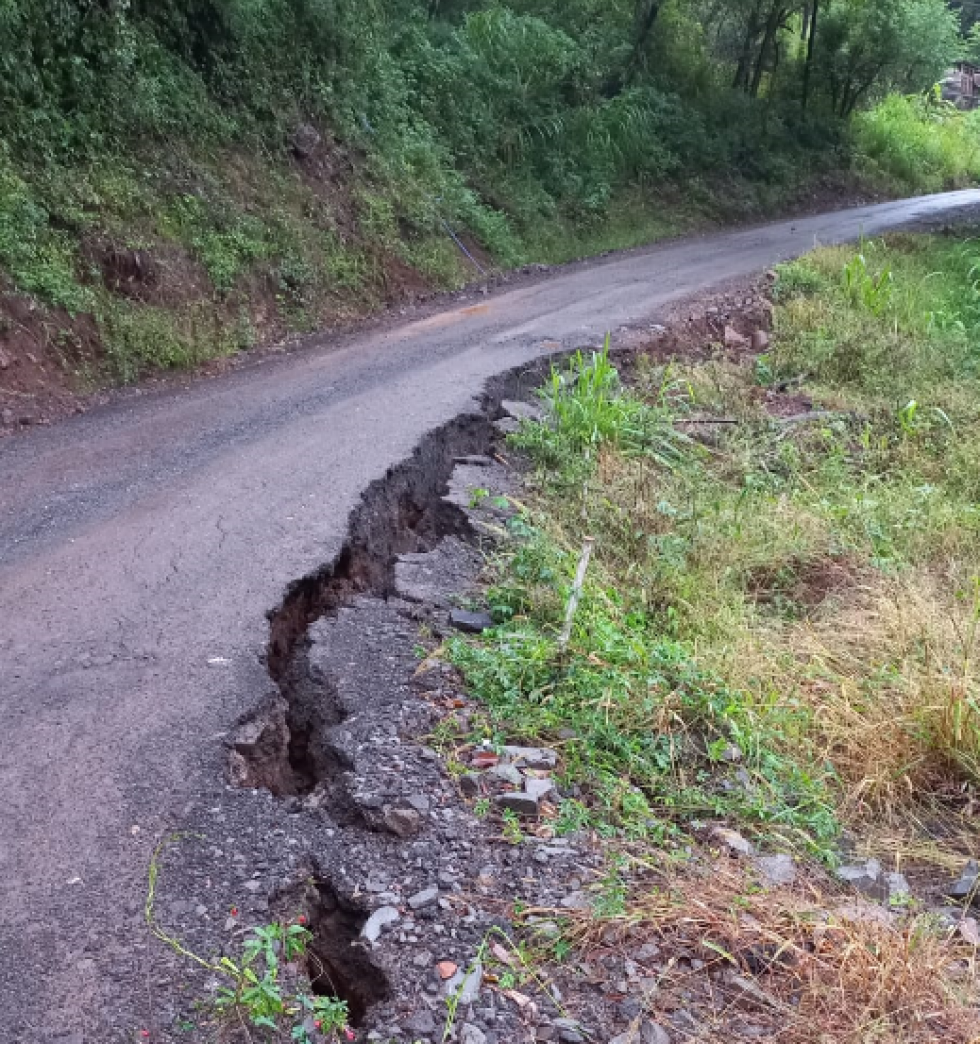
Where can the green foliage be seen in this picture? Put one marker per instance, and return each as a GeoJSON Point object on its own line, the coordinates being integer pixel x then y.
{"type": "Point", "coordinates": [529, 130]}
{"type": "Point", "coordinates": [40, 260]}
{"type": "Point", "coordinates": [226, 243]}
{"type": "Point", "coordinates": [862, 288]}
{"type": "Point", "coordinates": [140, 338]}
{"type": "Point", "coordinates": [647, 720]}
{"type": "Point", "coordinates": [900, 44]}
{"type": "Point", "coordinates": [920, 143]}
{"type": "Point", "coordinates": [259, 993]}
{"type": "Point", "coordinates": [588, 407]}
{"type": "Point", "coordinates": [783, 630]}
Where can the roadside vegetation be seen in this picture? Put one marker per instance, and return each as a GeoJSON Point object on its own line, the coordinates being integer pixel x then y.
{"type": "Point", "coordinates": [183, 180]}
{"type": "Point", "coordinates": [778, 632]}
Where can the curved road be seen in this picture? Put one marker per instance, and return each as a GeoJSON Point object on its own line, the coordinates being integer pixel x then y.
{"type": "Point", "coordinates": [142, 545]}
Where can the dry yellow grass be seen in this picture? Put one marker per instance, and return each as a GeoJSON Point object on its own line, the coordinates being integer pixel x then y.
{"type": "Point", "coordinates": [800, 963]}
{"type": "Point", "coordinates": [887, 667]}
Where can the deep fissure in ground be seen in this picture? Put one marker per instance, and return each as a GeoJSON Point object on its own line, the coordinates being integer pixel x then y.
{"type": "Point", "coordinates": [288, 746]}
{"type": "Point", "coordinates": [403, 512]}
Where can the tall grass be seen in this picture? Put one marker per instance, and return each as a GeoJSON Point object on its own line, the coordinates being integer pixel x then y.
{"type": "Point", "coordinates": [919, 144]}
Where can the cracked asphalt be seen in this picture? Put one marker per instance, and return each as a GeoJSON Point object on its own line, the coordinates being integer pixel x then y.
{"type": "Point", "coordinates": [142, 545]}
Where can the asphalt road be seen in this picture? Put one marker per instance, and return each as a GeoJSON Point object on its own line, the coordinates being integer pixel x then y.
{"type": "Point", "coordinates": [141, 546]}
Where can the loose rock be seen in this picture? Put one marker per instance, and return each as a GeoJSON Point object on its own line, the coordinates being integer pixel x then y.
{"type": "Point", "coordinates": [427, 897]}
{"type": "Point", "coordinates": [470, 622]}
{"type": "Point", "coordinates": [733, 840]}
{"type": "Point", "coordinates": [865, 878]}
{"type": "Point", "coordinates": [532, 757]}
{"type": "Point", "coordinates": [519, 802]}
{"type": "Point", "coordinates": [470, 1034]}
{"type": "Point", "coordinates": [403, 822]}
{"type": "Point", "coordinates": [653, 1033]}
{"type": "Point", "coordinates": [384, 915]}
{"type": "Point", "coordinates": [776, 869]}
{"type": "Point", "coordinates": [733, 339]}
{"type": "Point", "coordinates": [967, 885]}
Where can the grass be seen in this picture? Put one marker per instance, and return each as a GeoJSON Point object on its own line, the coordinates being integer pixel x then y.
{"type": "Point", "coordinates": [782, 618]}
{"type": "Point", "coordinates": [779, 958]}
{"type": "Point", "coordinates": [779, 629]}
{"type": "Point", "coordinates": [920, 144]}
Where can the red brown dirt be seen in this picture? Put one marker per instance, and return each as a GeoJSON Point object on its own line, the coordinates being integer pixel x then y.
{"type": "Point", "coordinates": [46, 356]}
{"type": "Point", "coordinates": [805, 583]}
{"type": "Point", "coordinates": [159, 274]}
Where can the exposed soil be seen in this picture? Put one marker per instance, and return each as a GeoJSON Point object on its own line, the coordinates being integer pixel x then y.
{"type": "Point", "coordinates": [45, 356]}
{"type": "Point", "coordinates": [159, 274]}
{"type": "Point", "coordinates": [803, 585]}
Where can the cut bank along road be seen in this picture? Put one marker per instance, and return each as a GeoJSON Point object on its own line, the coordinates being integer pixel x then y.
{"type": "Point", "coordinates": [142, 545]}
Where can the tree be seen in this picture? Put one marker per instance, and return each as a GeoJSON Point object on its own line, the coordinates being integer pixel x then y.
{"type": "Point", "coordinates": [872, 45]}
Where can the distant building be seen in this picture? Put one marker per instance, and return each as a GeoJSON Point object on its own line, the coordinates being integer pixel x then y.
{"type": "Point", "coordinates": [961, 85]}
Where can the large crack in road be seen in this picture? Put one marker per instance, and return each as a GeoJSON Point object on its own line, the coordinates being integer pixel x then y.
{"type": "Point", "coordinates": [140, 549]}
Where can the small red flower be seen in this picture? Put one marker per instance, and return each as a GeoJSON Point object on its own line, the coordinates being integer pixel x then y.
{"type": "Point", "coordinates": [144, 1033]}
{"type": "Point", "coordinates": [301, 919]}
{"type": "Point", "coordinates": [348, 1033]}
{"type": "Point", "coordinates": [234, 911]}
{"type": "Point", "coordinates": [317, 1023]}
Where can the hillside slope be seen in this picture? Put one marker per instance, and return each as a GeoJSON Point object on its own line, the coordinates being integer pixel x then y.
{"type": "Point", "coordinates": [181, 181]}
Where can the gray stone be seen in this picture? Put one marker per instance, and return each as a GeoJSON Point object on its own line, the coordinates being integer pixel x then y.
{"type": "Point", "coordinates": [865, 878]}
{"type": "Point", "coordinates": [776, 869]}
{"type": "Point", "coordinates": [520, 410]}
{"type": "Point", "coordinates": [532, 757]}
{"type": "Point", "coordinates": [507, 425]}
{"type": "Point", "coordinates": [422, 1023]}
{"type": "Point", "coordinates": [427, 897]}
{"type": "Point", "coordinates": [630, 1008]}
{"type": "Point", "coordinates": [507, 773]}
{"type": "Point", "coordinates": [538, 788]}
{"type": "Point", "coordinates": [465, 986]}
{"type": "Point", "coordinates": [419, 802]}
{"type": "Point", "coordinates": [470, 1034]}
{"type": "Point", "coordinates": [576, 901]}
{"type": "Point", "coordinates": [733, 840]}
{"type": "Point", "coordinates": [733, 339]}
{"type": "Point", "coordinates": [403, 822]}
{"type": "Point", "coordinates": [653, 1033]}
{"type": "Point", "coordinates": [372, 926]}
{"type": "Point", "coordinates": [519, 802]}
{"type": "Point", "coordinates": [470, 622]}
{"type": "Point", "coordinates": [967, 885]}
{"type": "Point", "coordinates": [569, 1031]}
